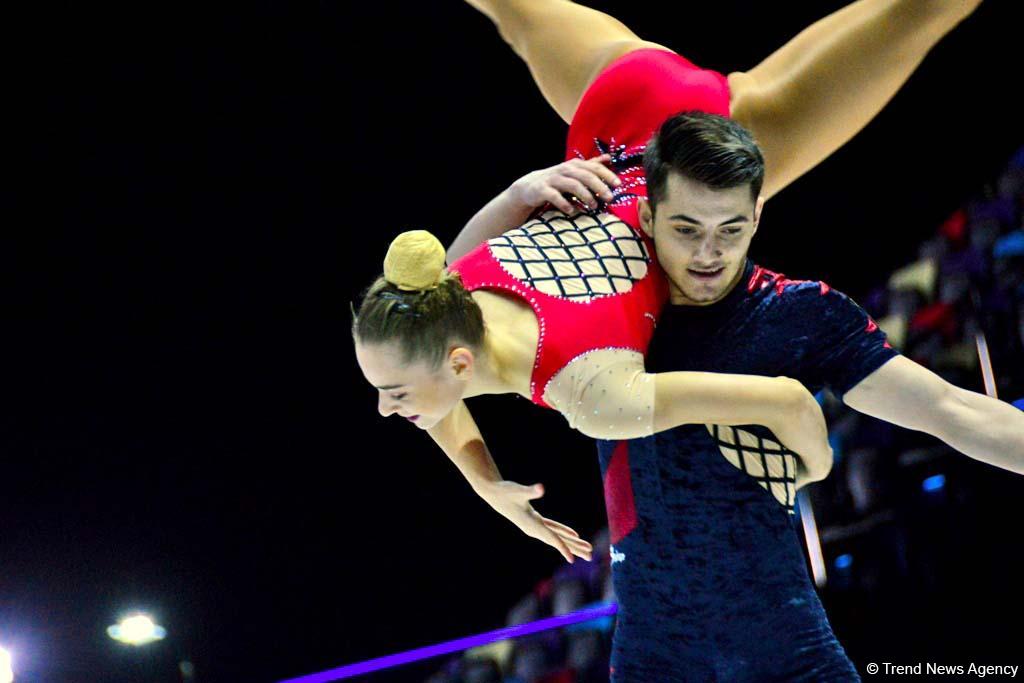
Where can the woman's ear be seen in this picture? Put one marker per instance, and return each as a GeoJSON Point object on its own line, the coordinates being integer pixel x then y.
{"type": "Point", "coordinates": [461, 361]}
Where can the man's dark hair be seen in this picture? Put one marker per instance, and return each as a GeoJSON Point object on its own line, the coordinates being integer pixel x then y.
{"type": "Point", "coordinates": [707, 148]}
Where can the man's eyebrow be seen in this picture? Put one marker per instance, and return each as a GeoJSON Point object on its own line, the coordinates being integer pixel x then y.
{"type": "Point", "coordinates": [389, 387]}
{"type": "Point", "coordinates": [686, 219]}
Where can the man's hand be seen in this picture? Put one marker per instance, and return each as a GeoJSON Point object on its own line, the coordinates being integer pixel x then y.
{"type": "Point", "coordinates": [585, 180]}
{"type": "Point", "coordinates": [512, 501]}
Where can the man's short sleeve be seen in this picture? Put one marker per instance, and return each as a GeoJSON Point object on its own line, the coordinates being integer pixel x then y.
{"type": "Point", "coordinates": [841, 344]}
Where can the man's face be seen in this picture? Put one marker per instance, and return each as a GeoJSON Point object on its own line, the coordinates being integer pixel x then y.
{"type": "Point", "coordinates": [702, 236]}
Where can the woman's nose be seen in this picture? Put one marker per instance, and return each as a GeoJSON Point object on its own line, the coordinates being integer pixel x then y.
{"type": "Point", "coordinates": [385, 406]}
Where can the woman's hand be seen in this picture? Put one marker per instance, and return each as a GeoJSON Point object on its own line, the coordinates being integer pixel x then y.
{"type": "Point", "coordinates": [586, 180]}
{"type": "Point", "coordinates": [803, 431]}
{"type": "Point", "coordinates": [512, 501]}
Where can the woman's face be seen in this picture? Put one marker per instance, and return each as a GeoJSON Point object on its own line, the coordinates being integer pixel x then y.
{"type": "Point", "coordinates": [416, 391]}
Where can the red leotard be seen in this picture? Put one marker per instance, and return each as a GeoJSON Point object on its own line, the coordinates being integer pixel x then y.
{"type": "Point", "coordinates": [618, 114]}
{"type": "Point", "coordinates": [626, 105]}
{"type": "Point", "coordinates": [614, 307]}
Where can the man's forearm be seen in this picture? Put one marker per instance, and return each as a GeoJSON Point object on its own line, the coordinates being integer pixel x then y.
{"type": "Point", "coordinates": [984, 428]}
{"type": "Point", "coordinates": [906, 394]}
{"type": "Point", "coordinates": [500, 214]}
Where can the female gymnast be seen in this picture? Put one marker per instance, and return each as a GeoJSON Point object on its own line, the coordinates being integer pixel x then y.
{"type": "Point", "coordinates": [561, 309]}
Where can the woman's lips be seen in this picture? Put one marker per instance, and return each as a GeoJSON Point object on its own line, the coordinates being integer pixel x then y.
{"type": "Point", "coordinates": [705, 274]}
{"type": "Point", "coordinates": [413, 418]}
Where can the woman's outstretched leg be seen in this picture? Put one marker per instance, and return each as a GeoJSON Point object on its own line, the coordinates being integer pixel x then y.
{"type": "Point", "coordinates": [565, 45]}
{"type": "Point", "coordinates": [816, 92]}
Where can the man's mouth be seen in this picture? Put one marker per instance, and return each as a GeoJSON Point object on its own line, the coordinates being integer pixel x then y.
{"type": "Point", "coordinates": [705, 275]}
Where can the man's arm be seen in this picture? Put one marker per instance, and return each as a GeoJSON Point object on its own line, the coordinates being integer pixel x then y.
{"type": "Point", "coordinates": [460, 439]}
{"type": "Point", "coordinates": [911, 396]}
{"type": "Point", "coordinates": [586, 180]}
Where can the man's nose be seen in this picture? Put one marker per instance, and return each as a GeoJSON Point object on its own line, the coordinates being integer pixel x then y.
{"type": "Point", "coordinates": [709, 249]}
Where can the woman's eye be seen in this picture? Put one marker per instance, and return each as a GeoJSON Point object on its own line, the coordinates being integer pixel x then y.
{"type": "Point", "coordinates": [398, 397]}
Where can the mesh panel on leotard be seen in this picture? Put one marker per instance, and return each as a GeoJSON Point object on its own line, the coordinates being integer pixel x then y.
{"type": "Point", "coordinates": [605, 394]}
{"type": "Point", "coordinates": [768, 462]}
{"type": "Point", "coordinates": [579, 258]}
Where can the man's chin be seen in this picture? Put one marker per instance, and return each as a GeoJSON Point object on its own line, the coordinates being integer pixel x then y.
{"type": "Point", "coordinates": [702, 293]}
{"type": "Point", "coordinates": [702, 296]}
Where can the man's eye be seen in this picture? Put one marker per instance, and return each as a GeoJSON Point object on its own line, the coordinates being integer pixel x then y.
{"type": "Point", "coordinates": [733, 231]}
{"type": "Point", "coordinates": [686, 231]}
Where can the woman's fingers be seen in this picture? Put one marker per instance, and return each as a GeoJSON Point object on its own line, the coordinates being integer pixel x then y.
{"type": "Point", "coordinates": [557, 526]}
{"type": "Point", "coordinates": [596, 177]}
{"type": "Point", "coordinates": [574, 542]}
{"type": "Point", "coordinates": [598, 167]}
{"type": "Point", "coordinates": [557, 200]}
{"type": "Point", "coordinates": [556, 541]}
{"type": "Point", "coordinates": [584, 180]}
{"type": "Point", "coordinates": [583, 551]}
{"type": "Point", "coordinates": [562, 538]}
{"type": "Point", "coordinates": [575, 187]}
{"type": "Point", "coordinates": [577, 545]}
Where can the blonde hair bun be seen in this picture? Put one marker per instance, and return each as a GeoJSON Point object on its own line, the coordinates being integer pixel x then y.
{"type": "Point", "coordinates": [415, 261]}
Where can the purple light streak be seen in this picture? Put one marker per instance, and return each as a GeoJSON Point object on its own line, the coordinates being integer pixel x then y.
{"type": "Point", "coordinates": [466, 643]}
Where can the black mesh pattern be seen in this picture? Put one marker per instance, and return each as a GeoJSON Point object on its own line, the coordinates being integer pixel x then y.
{"type": "Point", "coordinates": [579, 257]}
{"type": "Point", "coordinates": [767, 461]}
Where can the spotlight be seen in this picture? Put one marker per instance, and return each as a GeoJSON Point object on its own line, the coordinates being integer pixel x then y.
{"type": "Point", "coordinates": [137, 629]}
{"type": "Point", "coordinates": [6, 667]}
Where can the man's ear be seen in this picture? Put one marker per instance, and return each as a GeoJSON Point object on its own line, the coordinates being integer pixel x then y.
{"type": "Point", "coordinates": [462, 362]}
{"type": "Point", "coordinates": [757, 212]}
{"type": "Point", "coordinates": [646, 213]}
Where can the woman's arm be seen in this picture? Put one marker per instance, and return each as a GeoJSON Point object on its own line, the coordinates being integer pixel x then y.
{"type": "Point", "coordinates": [606, 394]}
{"type": "Point", "coordinates": [586, 180]}
{"type": "Point", "coordinates": [781, 404]}
{"type": "Point", "coordinates": [460, 439]}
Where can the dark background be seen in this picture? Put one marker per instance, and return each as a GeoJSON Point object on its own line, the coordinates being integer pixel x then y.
{"type": "Point", "coordinates": [184, 427]}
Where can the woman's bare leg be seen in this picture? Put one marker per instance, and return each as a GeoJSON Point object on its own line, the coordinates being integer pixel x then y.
{"type": "Point", "coordinates": [816, 92]}
{"type": "Point", "coordinates": [565, 45]}
{"type": "Point", "coordinates": [802, 103]}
